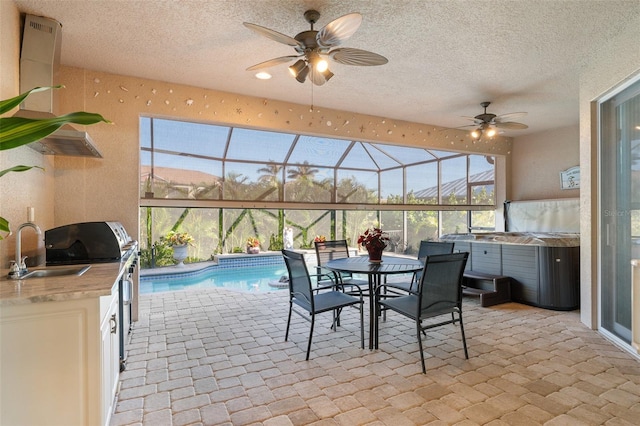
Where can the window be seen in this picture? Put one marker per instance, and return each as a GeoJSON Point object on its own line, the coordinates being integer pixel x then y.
{"type": "Point", "coordinates": [317, 185]}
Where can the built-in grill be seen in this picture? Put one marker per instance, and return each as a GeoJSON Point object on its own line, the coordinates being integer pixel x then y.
{"type": "Point", "coordinates": [98, 242]}
{"type": "Point", "coordinates": [87, 242]}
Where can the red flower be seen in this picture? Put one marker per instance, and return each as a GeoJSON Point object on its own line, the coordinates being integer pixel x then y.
{"type": "Point", "coordinates": [373, 237]}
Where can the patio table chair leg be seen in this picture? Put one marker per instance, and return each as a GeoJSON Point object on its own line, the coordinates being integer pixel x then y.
{"type": "Point", "coordinates": [362, 325]}
{"type": "Point", "coordinates": [419, 330]}
{"type": "Point", "coordinates": [336, 319]}
{"type": "Point", "coordinates": [313, 320]}
{"type": "Point", "coordinates": [286, 334]}
{"type": "Point", "coordinates": [464, 340]}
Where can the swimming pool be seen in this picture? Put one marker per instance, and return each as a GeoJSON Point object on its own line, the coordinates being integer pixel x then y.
{"type": "Point", "coordinates": [248, 278]}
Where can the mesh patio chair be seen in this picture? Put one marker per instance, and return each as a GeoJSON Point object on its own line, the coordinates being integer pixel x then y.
{"type": "Point", "coordinates": [427, 248]}
{"type": "Point", "coordinates": [337, 249]}
{"type": "Point", "coordinates": [439, 293]}
{"type": "Point", "coordinates": [316, 300]}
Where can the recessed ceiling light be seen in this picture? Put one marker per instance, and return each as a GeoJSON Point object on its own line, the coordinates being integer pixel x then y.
{"type": "Point", "coordinates": [263, 75]}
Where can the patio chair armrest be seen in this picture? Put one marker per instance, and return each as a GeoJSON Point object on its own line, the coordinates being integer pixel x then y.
{"type": "Point", "coordinates": [413, 289]}
{"type": "Point", "coordinates": [321, 270]}
{"type": "Point", "coordinates": [353, 286]}
{"type": "Point", "coordinates": [327, 276]}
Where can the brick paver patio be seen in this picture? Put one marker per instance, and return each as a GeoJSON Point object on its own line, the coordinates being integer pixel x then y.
{"type": "Point", "coordinates": [218, 357]}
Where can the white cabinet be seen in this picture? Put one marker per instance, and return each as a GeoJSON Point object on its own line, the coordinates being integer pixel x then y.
{"type": "Point", "coordinates": [109, 344]}
{"type": "Point", "coordinates": [59, 361]}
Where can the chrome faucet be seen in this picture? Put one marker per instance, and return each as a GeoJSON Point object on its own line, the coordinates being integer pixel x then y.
{"type": "Point", "coordinates": [18, 266]}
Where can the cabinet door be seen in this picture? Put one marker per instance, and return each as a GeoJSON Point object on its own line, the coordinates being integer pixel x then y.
{"type": "Point", "coordinates": [110, 358]}
{"type": "Point", "coordinates": [560, 277]}
{"type": "Point", "coordinates": [49, 363]}
{"type": "Point", "coordinates": [521, 264]}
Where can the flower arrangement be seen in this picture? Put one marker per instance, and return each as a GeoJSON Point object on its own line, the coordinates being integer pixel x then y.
{"type": "Point", "coordinates": [320, 239]}
{"type": "Point", "coordinates": [373, 238]}
{"type": "Point", "coordinates": [253, 242]}
{"type": "Point", "coordinates": [173, 239]}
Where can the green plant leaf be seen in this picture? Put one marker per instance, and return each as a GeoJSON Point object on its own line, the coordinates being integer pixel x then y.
{"type": "Point", "coordinates": [4, 227]}
{"type": "Point", "coordinates": [18, 131]}
{"type": "Point", "coordinates": [9, 104]}
{"type": "Point", "coordinates": [18, 169]}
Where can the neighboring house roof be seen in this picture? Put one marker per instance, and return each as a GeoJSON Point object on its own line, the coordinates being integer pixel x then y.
{"type": "Point", "coordinates": [458, 186]}
{"type": "Point", "coordinates": [179, 176]}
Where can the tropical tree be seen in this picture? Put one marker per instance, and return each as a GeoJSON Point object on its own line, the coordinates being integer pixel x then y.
{"type": "Point", "coordinates": [303, 172]}
{"type": "Point", "coordinates": [235, 186]}
{"type": "Point", "coordinates": [271, 174]}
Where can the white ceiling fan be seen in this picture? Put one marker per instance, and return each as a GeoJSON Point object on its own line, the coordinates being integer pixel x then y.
{"type": "Point", "coordinates": [314, 47]}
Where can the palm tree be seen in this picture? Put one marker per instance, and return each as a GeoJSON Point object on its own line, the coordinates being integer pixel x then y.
{"type": "Point", "coordinates": [270, 173]}
{"type": "Point", "coordinates": [303, 172]}
{"type": "Point", "coordinates": [234, 186]}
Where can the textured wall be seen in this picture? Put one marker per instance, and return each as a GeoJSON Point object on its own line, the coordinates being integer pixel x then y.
{"type": "Point", "coordinates": [33, 188]}
{"type": "Point", "coordinates": [107, 189]}
{"type": "Point", "coordinates": [538, 160]}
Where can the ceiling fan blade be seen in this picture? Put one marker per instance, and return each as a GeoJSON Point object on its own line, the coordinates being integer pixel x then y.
{"type": "Point", "coordinates": [510, 116]}
{"type": "Point", "coordinates": [273, 35]}
{"type": "Point", "coordinates": [511, 125]}
{"type": "Point", "coordinates": [350, 56]}
{"type": "Point", "coordinates": [272, 62]}
{"type": "Point", "coordinates": [338, 30]}
{"type": "Point", "coordinates": [475, 120]}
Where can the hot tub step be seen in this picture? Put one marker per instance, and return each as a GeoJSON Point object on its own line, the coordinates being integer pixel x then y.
{"type": "Point", "coordinates": [492, 289]}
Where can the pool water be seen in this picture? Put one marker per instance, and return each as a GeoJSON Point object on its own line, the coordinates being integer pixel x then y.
{"type": "Point", "coordinates": [249, 279]}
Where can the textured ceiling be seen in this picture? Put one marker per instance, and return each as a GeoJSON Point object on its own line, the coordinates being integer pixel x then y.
{"type": "Point", "coordinates": [445, 56]}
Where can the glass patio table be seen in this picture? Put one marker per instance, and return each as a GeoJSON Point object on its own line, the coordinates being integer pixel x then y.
{"type": "Point", "coordinates": [374, 271]}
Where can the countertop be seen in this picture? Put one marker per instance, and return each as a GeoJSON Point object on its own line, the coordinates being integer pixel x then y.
{"type": "Point", "coordinates": [97, 281]}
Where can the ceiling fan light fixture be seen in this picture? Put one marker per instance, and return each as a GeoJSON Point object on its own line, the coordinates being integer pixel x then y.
{"type": "Point", "coordinates": [476, 133]}
{"type": "Point", "coordinates": [296, 68]}
{"type": "Point", "coordinates": [322, 65]}
{"type": "Point", "coordinates": [491, 132]}
{"type": "Point", "coordinates": [302, 75]}
{"type": "Point", "coordinates": [327, 74]}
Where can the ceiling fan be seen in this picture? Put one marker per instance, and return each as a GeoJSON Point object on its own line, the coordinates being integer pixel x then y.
{"type": "Point", "coordinates": [487, 123]}
{"type": "Point", "coordinates": [313, 47]}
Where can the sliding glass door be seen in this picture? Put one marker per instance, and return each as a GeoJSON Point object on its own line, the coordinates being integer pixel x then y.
{"type": "Point", "coordinates": [619, 208]}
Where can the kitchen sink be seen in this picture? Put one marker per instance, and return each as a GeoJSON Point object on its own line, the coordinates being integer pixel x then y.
{"type": "Point", "coordinates": [57, 272]}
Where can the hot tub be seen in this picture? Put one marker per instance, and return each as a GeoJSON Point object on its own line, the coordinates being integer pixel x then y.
{"type": "Point", "coordinates": [544, 267]}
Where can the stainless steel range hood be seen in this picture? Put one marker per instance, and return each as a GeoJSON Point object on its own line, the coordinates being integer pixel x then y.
{"type": "Point", "coordinates": [39, 62]}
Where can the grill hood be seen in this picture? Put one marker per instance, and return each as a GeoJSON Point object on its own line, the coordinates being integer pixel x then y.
{"type": "Point", "coordinates": [39, 61]}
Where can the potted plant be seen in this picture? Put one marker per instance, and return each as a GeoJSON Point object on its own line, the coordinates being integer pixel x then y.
{"type": "Point", "coordinates": [253, 245]}
{"type": "Point", "coordinates": [179, 242]}
{"type": "Point", "coordinates": [375, 241]}
{"type": "Point", "coordinates": [18, 131]}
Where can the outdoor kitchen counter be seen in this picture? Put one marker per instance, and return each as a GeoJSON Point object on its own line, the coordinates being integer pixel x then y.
{"type": "Point", "coordinates": [96, 282]}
